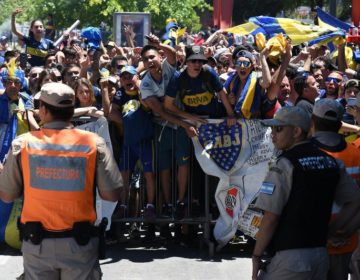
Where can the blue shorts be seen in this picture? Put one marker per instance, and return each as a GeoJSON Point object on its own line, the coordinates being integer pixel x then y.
{"type": "Point", "coordinates": [174, 143]}
{"type": "Point", "coordinates": [131, 154]}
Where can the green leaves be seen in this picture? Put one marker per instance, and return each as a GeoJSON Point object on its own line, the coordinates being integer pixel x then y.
{"type": "Point", "coordinates": [92, 12]}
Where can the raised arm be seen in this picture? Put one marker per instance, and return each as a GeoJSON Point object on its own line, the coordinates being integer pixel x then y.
{"type": "Point", "coordinates": [279, 74]}
{"type": "Point", "coordinates": [169, 51]}
{"type": "Point", "coordinates": [13, 23]}
{"type": "Point", "coordinates": [266, 75]}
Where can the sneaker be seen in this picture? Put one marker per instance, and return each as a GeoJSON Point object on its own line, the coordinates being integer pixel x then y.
{"type": "Point", "coordinates": [149, 213]}
{"type": "Point", "coordinates": [180, 210]}
{"type": "Point", "coordinates": [134, 231]}
{"type": "Point", "coordinates": [120, 212]}
{"type": "Point", "coordinates": [166, 211]}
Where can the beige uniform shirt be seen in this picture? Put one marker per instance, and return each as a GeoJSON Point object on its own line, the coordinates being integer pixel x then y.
{"type": "Point", "coordinates": [107, 177]}
{"type": "Point", "coordinates": [278, 183]}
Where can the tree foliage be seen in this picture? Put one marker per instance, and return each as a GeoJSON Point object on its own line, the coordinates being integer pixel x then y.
{"type": "Point", "coordinates": [93, 12]}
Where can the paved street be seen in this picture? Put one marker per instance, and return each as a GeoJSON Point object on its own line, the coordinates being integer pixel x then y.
{"type": "Point", "coordinates": [161, 260]}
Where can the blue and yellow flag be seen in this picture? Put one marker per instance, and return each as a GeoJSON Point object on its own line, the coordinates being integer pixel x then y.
{"type": "Point", "coordinates": [328, 21]}
{"type": "Point", "coordinates": [298, 31]}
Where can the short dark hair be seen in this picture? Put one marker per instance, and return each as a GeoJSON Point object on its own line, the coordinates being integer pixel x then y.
{"type": "Point", "coordinates": [117, 58]}
{"type": "Point", "coordinates": [291, 71]}
{"type": "Point", "coordinates": [67, 68]}
{"type": "Point", "coordinates": [321, 124]}
{"type": "Point", "coordinates": [327, 62]}
{"type": "Point", "coordinates": [300, 84]}
{"type": "Point", "coordinates": [69, 51]}
{"type": "Point", "coordinates": [148, 48]}
{"type": "Point", "coordinates": [60, 114]}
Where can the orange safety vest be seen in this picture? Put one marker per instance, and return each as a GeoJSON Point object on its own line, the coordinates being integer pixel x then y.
{"type": "Point", "coordinates": [351, 158]}
{"type": "Point", "coordinates": [59, 170]}
{"type": "Point", "coordinates": [356, 143]}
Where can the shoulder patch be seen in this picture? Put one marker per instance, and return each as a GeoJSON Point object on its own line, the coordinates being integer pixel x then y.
{"type": "Point", "coordinates": [267, 188]}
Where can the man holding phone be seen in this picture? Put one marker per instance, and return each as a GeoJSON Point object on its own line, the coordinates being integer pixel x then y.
{"type": "Point", "coordinates": [352, 88]}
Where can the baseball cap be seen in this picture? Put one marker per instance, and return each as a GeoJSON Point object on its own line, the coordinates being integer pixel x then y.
{"type": "Point", "coordinates": [128, 69]}
{"type": "Point", "coordinates": [352, 83]}
{"type": "Point", "coordinates": [328, 109]}
{"type": "Point", "coordinates": [195, 52]}
{"type": "Point", "coordinates": [57, 95]}
{"type": "Point", "coordinates": [246, 54]}
{"type": "Point", "coordinates": [290, 116]}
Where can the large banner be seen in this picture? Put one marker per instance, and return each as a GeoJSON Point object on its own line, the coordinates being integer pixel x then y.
{"type": "Point", "coordinates": [103, 208]}
{"type": "Point", "coordinates": [239, 156]}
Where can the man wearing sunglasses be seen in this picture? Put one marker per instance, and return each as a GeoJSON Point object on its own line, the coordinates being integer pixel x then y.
{"type": "Point", "coordinates": [296, 197]}
{"type": "Point", "coordinates": [332, 85]}
{"type": "Point", "coordinates": [238, 85]}
{"type": "Point", "coordinates": [199, 90]}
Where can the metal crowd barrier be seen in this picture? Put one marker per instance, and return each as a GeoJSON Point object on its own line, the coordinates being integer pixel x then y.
{"type": "Point", "coordinates": [202, 190]}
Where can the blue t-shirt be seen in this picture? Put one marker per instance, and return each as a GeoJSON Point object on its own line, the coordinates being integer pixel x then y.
{"type": "Point", "coordinates": [195, 94]}
{"type": "Point", "coordinates": [138, 125]}
{"type": "Point", "coordinates": [37, 50]}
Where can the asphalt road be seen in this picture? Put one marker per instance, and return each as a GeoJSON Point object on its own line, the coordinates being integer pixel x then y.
{"type": "Point", "coordinates": [159, 260]}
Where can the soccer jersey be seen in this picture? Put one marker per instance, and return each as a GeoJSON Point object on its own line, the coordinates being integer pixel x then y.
{"type": "Point", "coordinates": [149, 87]}
{"type": "Point", "coordinates": [197, 95]}
{"type": "Point", "coordinates": [37, 50]}
{"type": "Point", "coordinates": [137, 119]}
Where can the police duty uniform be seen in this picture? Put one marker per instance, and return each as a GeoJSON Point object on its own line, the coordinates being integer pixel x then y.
{"type": "Point", "coordinates": [57, 168]}
{"type": "Point", "coordinates": [335, 145]}
{"type": "Point", "coordinates": [300, 188]}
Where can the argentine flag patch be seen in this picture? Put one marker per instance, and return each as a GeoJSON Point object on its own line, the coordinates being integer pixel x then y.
{"type": "Point", "coordinates": [267, 188]}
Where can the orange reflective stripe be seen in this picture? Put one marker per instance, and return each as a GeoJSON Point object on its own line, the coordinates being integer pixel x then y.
{"type": "Point", "coordinates": [59, 171]}
{"type": "Point", "coordinates": [351, 158]}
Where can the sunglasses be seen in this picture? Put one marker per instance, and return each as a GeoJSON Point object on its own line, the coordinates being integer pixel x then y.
{"type": "Point", "coordinates": [277, 129]}
{"type": "Point", "coordinates": [194, 61]}
{"type": "Point", "coordinates": [243, 63]}
{"type": "Point", "coordinates": [120, 67]}
{"type": "Point", "coordinates": [334, 80]}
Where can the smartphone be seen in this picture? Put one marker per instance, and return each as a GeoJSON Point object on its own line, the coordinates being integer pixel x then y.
{"type": "Point", "coordinates": [147, 37]}
{"type": "Point", "coordinates": [23, 60]}
{"type": "Point", "coordinates": [351, 101]}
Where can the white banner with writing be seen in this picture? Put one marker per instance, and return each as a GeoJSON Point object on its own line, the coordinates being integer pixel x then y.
{"type": "Point", "coordinates": [239, 156]}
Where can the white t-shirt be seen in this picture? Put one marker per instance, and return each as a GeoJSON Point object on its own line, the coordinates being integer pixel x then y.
{"type": "Point", "coordinates": [149, 87]}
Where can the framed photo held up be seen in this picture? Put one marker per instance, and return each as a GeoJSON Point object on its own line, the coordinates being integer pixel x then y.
{"type": "Point", "coordinates": [137, 23]}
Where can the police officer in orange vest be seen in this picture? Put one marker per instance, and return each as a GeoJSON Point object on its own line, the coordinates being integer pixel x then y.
{"type": "Point", "coordinates": [56, 169]}
{"type": "Point", "coordinates": [326, 118]}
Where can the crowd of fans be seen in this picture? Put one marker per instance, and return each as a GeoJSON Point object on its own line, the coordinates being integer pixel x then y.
{"type": "Point", "coordinates": [159, 93]}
